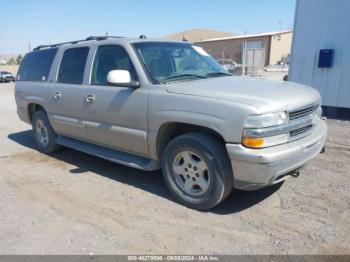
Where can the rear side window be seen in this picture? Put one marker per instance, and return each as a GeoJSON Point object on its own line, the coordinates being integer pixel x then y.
{"type": "Point", "coordinates": [36, 65]}
{"type": "Point", "coordinates": [73, 65]}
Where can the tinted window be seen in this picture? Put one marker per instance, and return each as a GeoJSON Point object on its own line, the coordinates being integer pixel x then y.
{"type": "Point", "coordinates": [36, 65]}
{"type": "Point", "coordinates": [73, 65]}
{"type": "Point", "coordinates": [108, 58]}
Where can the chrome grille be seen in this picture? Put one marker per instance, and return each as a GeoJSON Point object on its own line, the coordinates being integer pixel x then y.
{"type": "Point", "coordinates": [302, 112]}
{"type": "Point", "coordinates": [299, 131]}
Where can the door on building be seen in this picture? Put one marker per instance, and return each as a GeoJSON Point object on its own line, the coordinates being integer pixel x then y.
{"type": "Point", "coordinates": [254, 56]}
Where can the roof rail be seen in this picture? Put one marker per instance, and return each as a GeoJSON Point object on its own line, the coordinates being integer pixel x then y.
{"type": "Point", "coordinates": [90, 38]}
{"type": "Point", "coordinates": [98, 38]}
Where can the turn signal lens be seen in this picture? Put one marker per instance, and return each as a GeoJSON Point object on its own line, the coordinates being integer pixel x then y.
{"type": "Point", "coordinates": [261, 142]}
{"type": "Point", "coordinates": [253, 142]}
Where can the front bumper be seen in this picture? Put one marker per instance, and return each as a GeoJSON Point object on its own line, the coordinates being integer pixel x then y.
{"type": "Point", "coordinates": [257, 168]}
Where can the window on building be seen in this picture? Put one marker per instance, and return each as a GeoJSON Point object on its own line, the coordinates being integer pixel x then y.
{"type": "Point", "coordinates": [257, 44]}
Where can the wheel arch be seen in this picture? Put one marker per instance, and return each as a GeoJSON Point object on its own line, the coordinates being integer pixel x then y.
{"type": "Point", "coordinates": [170, 130]}
{"type": "Point", "coordinates": [32, 108]}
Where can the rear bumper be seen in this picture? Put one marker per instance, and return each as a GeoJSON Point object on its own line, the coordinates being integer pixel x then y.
{"type": "Point", "coordinates": [257, 168]}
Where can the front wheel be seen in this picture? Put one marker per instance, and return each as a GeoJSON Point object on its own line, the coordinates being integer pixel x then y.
{"type": "Point", "coordinates": [197, 170]}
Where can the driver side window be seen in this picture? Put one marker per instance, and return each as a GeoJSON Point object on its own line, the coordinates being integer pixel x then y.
{"type": "Point", "coordinates": [108, 58]}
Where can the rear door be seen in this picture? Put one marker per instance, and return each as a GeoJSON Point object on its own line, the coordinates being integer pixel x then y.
{"type": "Point", "coordinates": [67, 93]}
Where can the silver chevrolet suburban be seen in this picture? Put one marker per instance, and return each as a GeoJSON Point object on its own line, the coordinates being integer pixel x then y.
{"type": "Point", "coordinates": [152, 104]}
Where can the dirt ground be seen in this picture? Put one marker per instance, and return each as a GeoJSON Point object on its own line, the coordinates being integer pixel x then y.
{"type": "Point", "coordinates": [73, 203]}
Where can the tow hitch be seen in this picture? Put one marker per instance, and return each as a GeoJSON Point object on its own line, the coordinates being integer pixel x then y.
{"type": "Point", "coordinates": [295, 173]}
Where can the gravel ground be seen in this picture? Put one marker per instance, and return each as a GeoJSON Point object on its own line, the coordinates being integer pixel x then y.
{"type": "Point", "coordinates": [73, 203]}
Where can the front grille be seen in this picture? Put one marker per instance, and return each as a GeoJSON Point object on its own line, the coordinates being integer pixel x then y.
{"type": "Point", "coordinates": [300, 130]}
{"type": "Point", "coordinates": [302, 112]}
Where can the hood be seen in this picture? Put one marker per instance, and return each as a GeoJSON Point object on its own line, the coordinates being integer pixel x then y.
{"type": "Point", "coordinates": [265, 95]}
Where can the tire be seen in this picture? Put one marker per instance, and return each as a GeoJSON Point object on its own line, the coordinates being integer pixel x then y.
{"type": "Point", "coordinates": [43, 133]}
{"type": "Point", "coordinates": [207, 180]}
{"type": "Point", "coordinates": [2, 80]}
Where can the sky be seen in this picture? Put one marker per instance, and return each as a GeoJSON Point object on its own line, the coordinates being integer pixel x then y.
{"type": "Point", "coordinates": [47, 21]}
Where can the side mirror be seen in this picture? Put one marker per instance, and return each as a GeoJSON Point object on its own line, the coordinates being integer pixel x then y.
{"type": "Point", "coordinates": [121, 78]}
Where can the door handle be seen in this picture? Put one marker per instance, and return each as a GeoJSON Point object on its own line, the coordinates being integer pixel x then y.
{"type": "Point", "coordinates": [90, 98]}
{"type": "Point", "coordinates": [57, 95]}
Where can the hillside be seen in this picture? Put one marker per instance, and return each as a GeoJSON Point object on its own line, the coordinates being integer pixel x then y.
{"type": "Point", "coordinates": [195, 35]}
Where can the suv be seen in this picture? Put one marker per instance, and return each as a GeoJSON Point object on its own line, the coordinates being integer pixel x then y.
{"type": "Point", "coordinates": [151, 104]}
{"type": "Point", "coordinates": [6, 77]}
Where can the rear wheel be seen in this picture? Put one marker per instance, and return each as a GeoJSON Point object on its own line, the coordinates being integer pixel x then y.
{"type": "Point", "coordinates": [197, 170]}
{"type": "Point", "coordinates": [43, 133]}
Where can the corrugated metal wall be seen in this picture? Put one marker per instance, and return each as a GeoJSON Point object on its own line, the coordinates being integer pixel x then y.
{"type": "Point", "coordinates": [323, 24]}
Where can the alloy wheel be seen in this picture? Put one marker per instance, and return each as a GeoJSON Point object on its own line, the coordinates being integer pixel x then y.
{"type": "Point", "coordinates": [41, 132]}
{"type": "Point", "coordinates": [191, 173]}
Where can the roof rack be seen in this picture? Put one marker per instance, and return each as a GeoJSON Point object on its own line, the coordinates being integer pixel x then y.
{"type": "Point", "coordinates": [90, 38]}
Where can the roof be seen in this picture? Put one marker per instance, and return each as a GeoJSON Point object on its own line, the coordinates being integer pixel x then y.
{"type": "Point", "coordinates": [247, 36]}
{"type": "Point", "coordinates": [195, 35]}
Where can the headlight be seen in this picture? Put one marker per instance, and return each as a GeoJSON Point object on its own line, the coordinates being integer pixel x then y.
{"type": "Point", "coordinates": [264, 121]}
{"type": "Point", "coordinates": [267, 120]}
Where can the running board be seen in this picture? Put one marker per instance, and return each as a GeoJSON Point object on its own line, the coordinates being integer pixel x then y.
{"type": "Point", "coordinates": [112, 155]}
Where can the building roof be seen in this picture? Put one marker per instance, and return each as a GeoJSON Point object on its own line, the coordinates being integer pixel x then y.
{"type": "Point", "coordinates": [196, 35]}
{"type": "Point", "coordinates": [247, 36]}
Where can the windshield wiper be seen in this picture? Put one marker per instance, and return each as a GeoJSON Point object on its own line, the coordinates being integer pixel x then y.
{"type": "Point", "coordinates": [182, 75]}
{"type": "Point", "coordinates": [213, 74]}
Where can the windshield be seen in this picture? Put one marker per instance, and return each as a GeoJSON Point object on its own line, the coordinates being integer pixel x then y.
{"type": "Point", "coordinates": [166, 62]}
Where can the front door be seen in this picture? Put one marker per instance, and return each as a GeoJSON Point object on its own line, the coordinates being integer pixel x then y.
{"type": "Point", "coordinates": [115, 116]}
{"type": "Point", "coordinates": [67, 94]}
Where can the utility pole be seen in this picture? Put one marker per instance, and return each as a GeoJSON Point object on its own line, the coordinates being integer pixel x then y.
{"type": "Point", "coordinates": [106, 33]}
{"type": "Point", "coordinates": [244, 58]}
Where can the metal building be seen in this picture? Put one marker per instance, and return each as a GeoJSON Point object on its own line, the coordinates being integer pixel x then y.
{"type": "Point", "coordinates": [254, 52]}
{"type": "Point", "coordinates": [321, 51]}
